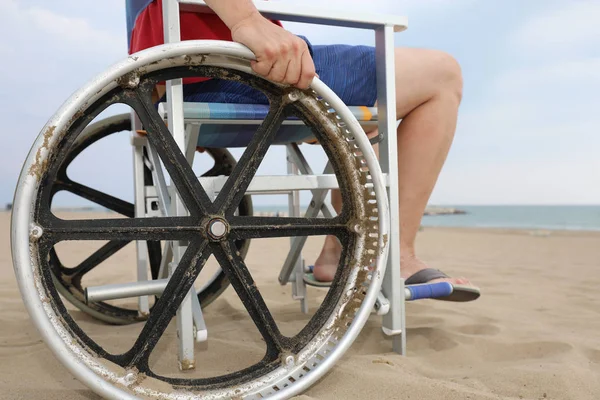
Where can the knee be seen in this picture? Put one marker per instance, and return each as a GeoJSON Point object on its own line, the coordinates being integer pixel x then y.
{"type": "Point", "coordinates": [449, 75]}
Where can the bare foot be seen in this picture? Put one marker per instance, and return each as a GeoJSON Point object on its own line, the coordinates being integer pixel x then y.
{"type": "Point", "coordinates": [411, 264]}
{"type": "Point", "coordinates": [327, 262]}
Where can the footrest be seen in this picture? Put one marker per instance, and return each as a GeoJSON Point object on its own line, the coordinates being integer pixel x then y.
{"type": "Point", "coordinates": [428, 291]}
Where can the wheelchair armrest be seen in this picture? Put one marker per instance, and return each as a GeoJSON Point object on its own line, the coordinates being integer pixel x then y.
{"type": "Point", "coordinates": [315, 15]}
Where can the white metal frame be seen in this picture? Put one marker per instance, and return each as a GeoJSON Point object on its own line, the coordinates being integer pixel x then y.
{"type": "Point", "coordinates": [384, 27]}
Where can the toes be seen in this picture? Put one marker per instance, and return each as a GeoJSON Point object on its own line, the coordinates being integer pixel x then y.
{"type": "Point", "coordinates": [462, 281]}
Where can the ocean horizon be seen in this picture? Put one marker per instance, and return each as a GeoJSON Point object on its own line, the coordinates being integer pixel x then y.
{"type": "Point", "coordinates": [548, 217]}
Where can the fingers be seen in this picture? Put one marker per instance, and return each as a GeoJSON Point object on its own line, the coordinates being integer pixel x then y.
{"type": "Point", "coordinates": [286, 60]}
{"type": "Point", "coordinates": [266, 56]}
{"type": "Point", "coordinates": [262, 67]}
{"type": "Point", "coordinates": [279, 70]}
{"type": "Point", "coordinates": [280, 56]}
{"type": "Point", "coordinates": [294, 69]}
{"type": "Point", "coordinates": [301, 68]}
{"type": "Point", "coordinates": [308, 71]}
{"type": "Point", "coordinates": [284, 55]}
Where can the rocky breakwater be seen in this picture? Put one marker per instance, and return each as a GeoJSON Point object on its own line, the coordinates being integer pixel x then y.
{"type": "Point", "coordinates": [443, 211]}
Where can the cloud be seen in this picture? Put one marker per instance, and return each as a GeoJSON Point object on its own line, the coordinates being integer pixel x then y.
{"type": "Point", "coordinates": [572, 26]}
{"type": "Point", "coordinates": [537, 98]}
{"type": "Point", "coordinates": [570, 181]}
{"type": "Point", "coordinates": [52, 52]}
{"type": "Point", "coordinates": [531, 138]}
{"type": "Point", "coordinates": [417, 10]}
{"type": "Point", "coordinates": [28, 24]}
{"type": "Point", "coordinates": [49, 51]}
{"type": "Point", "coordinates": [72, 31]}
{"type": "Point", "coordinates": [397, 7]}
{"type": "Point", "coordinates": [574, 72]}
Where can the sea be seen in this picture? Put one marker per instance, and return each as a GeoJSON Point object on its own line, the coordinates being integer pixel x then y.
{"type": "Point", "coordinates": [560, 217]}
{"type": "Point", "coordinates": [563, 217]}
{"type": "Point", "coordinates": [578, 218]}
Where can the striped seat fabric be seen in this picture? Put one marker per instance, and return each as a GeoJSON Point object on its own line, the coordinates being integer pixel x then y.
{"type": "Point", "coordinates": [233, 125]}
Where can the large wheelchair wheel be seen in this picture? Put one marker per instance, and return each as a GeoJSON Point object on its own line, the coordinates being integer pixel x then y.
{"type": "Point", "coordinates": [69, 280]}
{"type": "Point", "coordinates": [290, 363]}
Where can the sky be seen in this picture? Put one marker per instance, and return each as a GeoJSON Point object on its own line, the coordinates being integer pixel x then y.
{"type": "Point", "coordinates": [529, 124]}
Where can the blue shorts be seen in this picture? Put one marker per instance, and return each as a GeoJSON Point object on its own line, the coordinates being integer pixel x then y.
{"type": "Point", "coordinates": [348, 70]}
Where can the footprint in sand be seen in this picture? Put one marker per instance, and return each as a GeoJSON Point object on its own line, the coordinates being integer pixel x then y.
{"type": "Point", "coordinates": [593, 355]}
{"type": "Point", "coordinates": [420, 320]}
{"type": "Point", "coordinates": [430, 339]}
{"type": "Point", "coordinates": [10, 349]}
{"type": "Point", "coordinates": [478, 329]}
{"type": "Point", "coordinates": [11, 345]}
{"type": "Point", "coordinates": [522, 351]}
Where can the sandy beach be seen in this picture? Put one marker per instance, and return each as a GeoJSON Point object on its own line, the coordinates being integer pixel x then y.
{"type": "Point", "coordinates": [534, 333]}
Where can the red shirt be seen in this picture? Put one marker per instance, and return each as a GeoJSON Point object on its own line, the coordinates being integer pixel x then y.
{"type": "Point", "coordinates": [148, 29]}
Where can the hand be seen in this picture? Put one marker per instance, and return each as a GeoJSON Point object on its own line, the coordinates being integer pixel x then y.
{"type": "Point", "coordinates": [280, 56]}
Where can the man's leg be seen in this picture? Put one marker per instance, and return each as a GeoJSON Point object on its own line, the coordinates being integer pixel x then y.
{"type": "Point", "coordinates": [428, 93]}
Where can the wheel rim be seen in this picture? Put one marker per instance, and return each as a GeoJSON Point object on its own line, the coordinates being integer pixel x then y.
{"type": "Point", "coordinates": [337, 325]}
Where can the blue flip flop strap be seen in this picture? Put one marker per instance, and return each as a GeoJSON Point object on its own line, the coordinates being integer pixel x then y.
{"type": "Point", "coordinates": [430, 291]}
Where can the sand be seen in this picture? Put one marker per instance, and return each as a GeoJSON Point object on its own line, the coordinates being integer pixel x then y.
{"type": "Point", "coordinates": [534, 334]}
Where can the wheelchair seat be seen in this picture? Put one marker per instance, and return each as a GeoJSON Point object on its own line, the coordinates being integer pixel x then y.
{"type": "Point", "coordinates": [223, 125]}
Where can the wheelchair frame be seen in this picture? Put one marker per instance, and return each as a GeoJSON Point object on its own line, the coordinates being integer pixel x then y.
{"type": "Point", "coordinates": [391, 301]}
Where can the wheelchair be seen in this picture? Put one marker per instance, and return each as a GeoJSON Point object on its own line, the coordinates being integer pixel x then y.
{"type": "Point", "coordinates": [178, 222]}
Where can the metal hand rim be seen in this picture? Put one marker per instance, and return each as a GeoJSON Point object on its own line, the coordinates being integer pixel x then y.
{"type": "Point", "coordinates": [47, 322]}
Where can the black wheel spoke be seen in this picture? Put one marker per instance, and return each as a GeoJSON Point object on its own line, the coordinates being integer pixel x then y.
{"type": "Point", "coordinates": [180, 171]}
{"type": "Point", "coordinates": [94, 260]}
{"type": "Point", "coordinates": [261, 227]}
{"type": "Point", "coordinates": [235, 188]}
{"type": "Point", "coordinates": [234, 267]}
{"type": "Point", "coordinates": [164, 310]}
{"type": "Point", "coordinates": [121, 229]}
{"type": "Point", "coordinates": [95, 196]}
{"type": "Point", "coordinates": [210, 228]}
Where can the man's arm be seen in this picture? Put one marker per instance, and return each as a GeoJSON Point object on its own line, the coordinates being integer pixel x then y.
{"type": "Point", "coordinates": [280, 55]}
{"type": "Point", "coordinates": [232, 11]}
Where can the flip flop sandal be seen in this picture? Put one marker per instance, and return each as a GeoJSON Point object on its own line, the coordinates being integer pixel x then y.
{"type": "Point", "coordinates": [460, 293]}
{"type": "Point", "coordinates": [309, 279]}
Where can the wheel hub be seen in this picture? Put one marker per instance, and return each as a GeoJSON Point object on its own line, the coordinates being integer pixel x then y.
{"type": "Point", "coordinates": [217, 228]}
